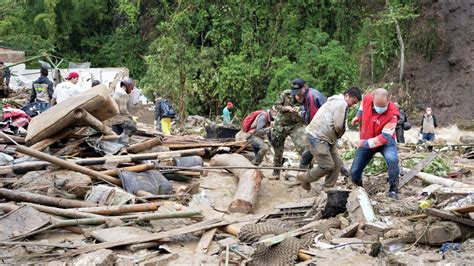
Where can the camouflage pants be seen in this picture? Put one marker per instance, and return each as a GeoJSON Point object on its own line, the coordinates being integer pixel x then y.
{"type": "Point", "coordinates": [278, 138]}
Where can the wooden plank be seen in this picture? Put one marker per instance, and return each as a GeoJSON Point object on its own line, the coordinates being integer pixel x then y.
{"type": "Point", "coordinates": [205, 241]}
{"type": "Point", "coordinates": [448, 216]}
{"type": "Point", "coordinates": [418, 167]}
{"type": "Point", "coordinates": [204, 225]}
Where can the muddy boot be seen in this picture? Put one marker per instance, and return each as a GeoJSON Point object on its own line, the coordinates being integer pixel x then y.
{"type": "Point", "coordinates": [275, 175]}
{"type": "Point", "coordinates": [301, 177]}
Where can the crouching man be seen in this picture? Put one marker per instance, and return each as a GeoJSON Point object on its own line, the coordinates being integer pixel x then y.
{"type": "Point", "coordinates": [257, 125]}
{"type": "Point", "coordinates": [379, 118]}
{"type": "Point", "coordinates": [328, 125]}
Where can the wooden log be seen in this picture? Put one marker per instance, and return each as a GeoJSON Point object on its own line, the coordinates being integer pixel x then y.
{"type": "Point", "coordinates": [92, 121]}
{"type": "Point", "coordinates": [204, 225]}
{"type": "Point", "coordinates": [432, 179]}
{"type": "Point", "coordinates": [42, 145]}
{"type": "Point", "coordinates": [117, 210]}
{"type": "Point", "coordinates": [19, 140]}
{"type": "Point", "coordinates": [69, 213]}
{"type": "Point", "coordinates": [203, 144]}
{"type": "Point", "coordinates": [145, 145]}
{"type": "Point", "coordinates": [136, 168]}
{"type": "Point", "coordinates": [246, 193]}
{"type": "Point", "coordinates": [102, 220]}
{"type": "Point", "coordinates": [70, 148]}
{"type": "Point", "coordinates": [20, 196]}
{"type": "Point", "coordinates": [448, 216]}
{"type": "Point", "coordinates": [68, 165]}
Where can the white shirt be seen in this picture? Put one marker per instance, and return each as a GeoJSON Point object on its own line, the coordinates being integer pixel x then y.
{"type": "Point", "coordinates": [66, 90]}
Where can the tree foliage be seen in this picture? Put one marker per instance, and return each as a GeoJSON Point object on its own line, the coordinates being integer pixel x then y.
{"type": "Point", "coordinates": [201, 54]}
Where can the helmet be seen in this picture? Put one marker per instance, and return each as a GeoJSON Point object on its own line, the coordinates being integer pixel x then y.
{"type": "Point", "coordinates": [128, 83]}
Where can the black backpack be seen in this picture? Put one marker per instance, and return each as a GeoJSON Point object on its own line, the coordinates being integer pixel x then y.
{"type": "Point", "coordinates": [167, 109]}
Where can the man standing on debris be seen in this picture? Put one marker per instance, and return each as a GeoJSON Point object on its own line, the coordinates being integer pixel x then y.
{"type": "Point", "coordinates": [226, 113]}
{"type": "Point", "coordinates": [66, 89]}
{"type": "Point", "coordinates": [379, 117]}
{"type": "Point", "coordinates": [123, 122]}
{"type": "Point", "coordinates": [428, 125]}
{"type": "Point", "coordinates": [288, 122]}
{"type": "Point", "coordinates": [4, 80]}
{"type": "Point", "coordinates": [42, 89]}
{"type": "Point", "coordinates": [401, 125]}
{"type": "Point", "coordinates": [164, 113]}
{"type": "Point", "coordinates": [257, 125]}
{"type": "Point", "coordinates": [328, 125]}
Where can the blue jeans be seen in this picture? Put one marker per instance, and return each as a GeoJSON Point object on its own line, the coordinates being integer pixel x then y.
{"type": "Point", "coordinates": [363, 157]}
{"type": "Point", "coordinates": [428, 136]}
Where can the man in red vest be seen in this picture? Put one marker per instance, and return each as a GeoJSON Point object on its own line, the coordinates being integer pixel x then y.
{"type": "Point", "coordinates": [258, 128]}
{"type": "Point", "coordinates": [379, 117]}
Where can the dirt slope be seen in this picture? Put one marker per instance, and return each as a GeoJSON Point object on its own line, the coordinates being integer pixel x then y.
{"type": "Point", "coordinates": [446, 82]}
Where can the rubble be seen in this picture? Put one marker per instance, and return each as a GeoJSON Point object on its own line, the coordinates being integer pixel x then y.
{"type": "Point", "coordinates": [79, 193]}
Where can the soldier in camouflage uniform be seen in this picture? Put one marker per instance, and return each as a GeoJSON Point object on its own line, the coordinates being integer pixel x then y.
{"type": "Point", "coordinates": [288, 122]}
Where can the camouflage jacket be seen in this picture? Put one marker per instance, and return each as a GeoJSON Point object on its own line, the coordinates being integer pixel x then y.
{"type": "Point", "coordinates": [285, 118]}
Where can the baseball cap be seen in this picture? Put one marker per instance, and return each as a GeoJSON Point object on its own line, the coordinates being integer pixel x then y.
{"type": "Point", "coordinates": [297, 85]}
{"type": "Point", "coordinates": [230, 104]}
{"type": "Point", "coordinates": [72, 75]}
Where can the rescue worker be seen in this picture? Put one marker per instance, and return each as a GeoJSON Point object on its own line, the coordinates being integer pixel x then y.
{"type": "Point", "coordinates": [66, 89]}
{"type": "Point", "coordinates": [257, 125]}
{"type": "Point", "coordinates": [288, 122]}
{"type": "Point", "coordinates": [328, 125]}
{"type": "Point", "coordinates": [379, 117]}
{"type": "Point", "coordinates": [164, 113]}
{"type": "Point", "coordinates": [226, 113]}
{"type": "Point", "coordinates": [428, 125]}
{"type": "Point", "coordinates": [42, 89]}
{"type": "Point", "coordinates": [123, 122]}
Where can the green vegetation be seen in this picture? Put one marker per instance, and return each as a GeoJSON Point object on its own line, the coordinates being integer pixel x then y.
{"type": "Point", "coordinates": [201, 54]}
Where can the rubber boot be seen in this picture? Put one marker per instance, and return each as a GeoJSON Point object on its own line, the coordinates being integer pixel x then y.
{"type": "Point", "coordinates": [302, 177]}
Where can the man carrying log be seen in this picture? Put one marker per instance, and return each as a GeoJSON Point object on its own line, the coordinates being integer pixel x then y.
{"type": "Point", "coordinates": [257, 125]}
{"type": "Point", "coordinates": [328, 125]}
{"type": "Point", "coordinates": [379, 118]}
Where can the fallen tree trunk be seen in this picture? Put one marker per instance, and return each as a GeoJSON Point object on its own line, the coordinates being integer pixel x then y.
{"type": "Point", "coordinates": [22, 168]}
{"type": "Point", "coordinates": [145, 145]}
{"type": "Point", "coordinates": [432, 179]}
{"type": "Point", "coordinates": [4, 140]}
{"type": "Point", "coordinates": [246, 193]}
{"type": "Point", "coordinates": [116, 210]}
{"type": "Point", "coordinates": [43, 200]}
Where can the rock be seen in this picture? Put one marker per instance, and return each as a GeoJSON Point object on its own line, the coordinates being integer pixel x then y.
{"type": "Point", "coordinates": [359, 207]}
{"type": "Point", "coordinates": [466, 139]}
{"type": "Point", "coordinates": [101, 257]}
{"type": "Point", "coordinates": [349, 231]}
{"type": "Point", "coordinates": [438, 233]}
{"type": "Point", "coordinates": [376, 228]}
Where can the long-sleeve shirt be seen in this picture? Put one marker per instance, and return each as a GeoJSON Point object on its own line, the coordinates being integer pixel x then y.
{"type": "Point", "coordinates": [226, 116]}
{"type": "Point", "coordinates": [260, 125]}
{"type": "Point", "coordinates": [329, 123]}
{"type": "Point", "coordinates": [42, 81]}
{"type": "Point", "coordinates": [377, 129]}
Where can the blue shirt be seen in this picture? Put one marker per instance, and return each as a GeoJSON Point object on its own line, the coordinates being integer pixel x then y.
{"type": "Point", "coordinates": [226, 116]}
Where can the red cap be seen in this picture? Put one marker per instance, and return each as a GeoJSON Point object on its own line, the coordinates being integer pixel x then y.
{"type": "Point", "coordinates": [230, 104]}
{"type": "Point", "coordinates": [72, 75]}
